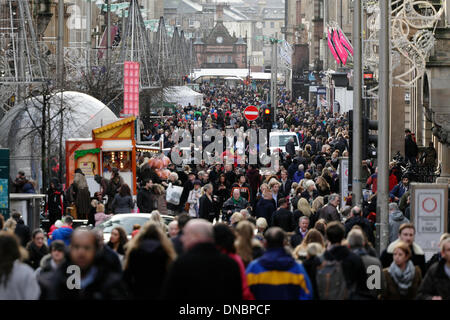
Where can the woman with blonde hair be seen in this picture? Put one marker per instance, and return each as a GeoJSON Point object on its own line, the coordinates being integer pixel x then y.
{"type": "Point", "coordinates": [155, 217]}
{"type": "Point", "coordinates": [247, 247]}
{"type": "Point", "coordinates": [322, 186]}
{"type": "Point", "coordinates": [304, 207]}
{"type": "Point", "coordinates": [313, 236]}
{"type": "Point", "coordinates": [10, 225]}
{"type": "Point", "coordinates": [147, 260]}
{"type": "Point", "coordinates": [402, 277]}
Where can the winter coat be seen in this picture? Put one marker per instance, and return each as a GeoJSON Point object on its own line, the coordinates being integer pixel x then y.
{"type": "Point", "coordinates": [298, 175]}
{"type": "Point", "coordinates": [290, 148]}
{"type": "Point", "coordinates": [23, 232]}
{"type": "Point", "coordinates": [277, 276]}
{"type": "Point", "coordinates": [244, 189]}
{"type": "Point", "coordinates": [35, 254]}
{"type": "Point", "coordinates": [352, 266]}
{"type": "Point", "coordinates": [311, 264]}
{"type": "Point", "coordinates": [64, 233]}
{"type": "Point", "coordinates": [146, 270]}
{"type": "Point", "coordinates": [100, 217]}
{"type": "Point", "coordinates": [122, 204]}
{"type": "Point", "coordinates": [307, 196]}
{"type": "Point", "coordinates": [21, 284]}
{"type": "Point", "coordinates": [199, 272]}
{"type": "Point", "coordinates": [329, 213]}
{"type": "Point", "coordinates": [284, 219]}
{"type": "Point", "coordinates": [265, 209]}
{"type": "Point", "coordinates": [145, 201]}
{"type": "Point", "coordinates": [234, 206]}
{"type": "Point", "coordinates": [392, 292]}
{"type": "Point", "coordinates": [435, 283]}
{"type": "Point", "coordinates": [398, 191]}
{"type": "Point", "coordinates": [193, 200]}
{"type": "Point", "coordinates": [246, 293]}
{"type": "Point", "coordinates": [55, 204]}
{"type": "Point", "coordinates": [365, 225]}
{"type": "Point", "coordinates": [418, 256]}
{"type": "Point", "coordinates": [106, 282]}
{"type": "Point", "coordinates": [396, 219]}
{"type": "Point", "coordinates": [254, 179]}
{"type": "Point", "coordinates": [206, 208]}
{"type": "Point", "coordinates": [296, 238]}
{"type": "Point", "coordinates": [286, 189]}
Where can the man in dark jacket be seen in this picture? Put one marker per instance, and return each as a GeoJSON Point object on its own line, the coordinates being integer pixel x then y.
{"type": "Point", "coordinates": [300, 231]}
{"type": "Point", "coordinates": [411, 149]}
{"type": "Point", "coordinates": [329, 212]}
{"type": "Point", "coordinates": [202, 269]}
{"type": "Point", "coordinates": [266, 207]}
{"type": "Point", "coordinates": [145, 198]}
{"type": "Point", "coordinates": [55, 201]}
{"type": "Point", "coordinates": [22, 230]}
{"type": "Point", "coordinates": [182, 219]}
{"type": "Point", "coordinates": [436, 284]}
{"type": "Point", "coordinates": [96, 280]}
{"type": "Point", "coordinates": [352, 265]}
{"type": "Point", "coordinates": [356, 219]}
{"type": "Point", "coordinates": [283, 218]}
{"type": "Point", "coordinates": [285, 184]}
{"type": "Point", "coordinates": [290, 147]}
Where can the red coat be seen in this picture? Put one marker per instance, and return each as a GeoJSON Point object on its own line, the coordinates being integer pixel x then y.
{"type": "Point", "coordinates": [246, 293]}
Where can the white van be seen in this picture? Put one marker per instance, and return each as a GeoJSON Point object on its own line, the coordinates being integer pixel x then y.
{"type": "Point", "coordinates": [279, 139]}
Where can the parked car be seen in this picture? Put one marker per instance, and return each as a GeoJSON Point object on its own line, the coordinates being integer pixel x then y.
{"type": "Point", "coordinates": [127, 221]}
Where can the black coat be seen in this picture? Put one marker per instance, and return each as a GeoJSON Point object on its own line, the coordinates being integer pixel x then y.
{"type": "Point", "coordinates": [296, 238]}
{"type": "Point", "coordinates": [23, 232]}
{"type": "Point", "coordinates": [311, 266]}
{"type": "Point", "coordinates": [146, 270]}
{"type": "Point", "coordinates": [201, 274]}
{"type": "Point", "coordinates": [352, 265]}
{"type": "Point", "coordinates": [265, 209]}
{"type": "Point", "coordinates": [286, 189]}
{"type": "Point", "coordinates": [365, 225]}
{"type": "Point", "coordinates": [35, 254]}
{"type": "Point", "coordinates": [206, 208]}
{"type": "Point", "coordinates": [145, 201]}
{"type": "Point", "coordinates": [107, 284]}
{"type": "Point", "coordinates": [435, 283]}
{"type": "Point", "coordinates": [290, 148]}
{"type": "Point", "coordinates": [284, 219]}
{"type": "Point", "coordinates": [386, 257]}
{"type": "Point", "coordinates": [329, 213]}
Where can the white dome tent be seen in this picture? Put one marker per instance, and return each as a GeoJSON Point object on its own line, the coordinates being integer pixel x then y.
{"type": "Point", "coordinates": [21, 127]}
{"type": "Point", "coordinates": [183, 96]}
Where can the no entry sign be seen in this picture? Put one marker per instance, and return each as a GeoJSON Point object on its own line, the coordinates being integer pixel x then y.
{"type": "Point", "coordinates": [251, 113]}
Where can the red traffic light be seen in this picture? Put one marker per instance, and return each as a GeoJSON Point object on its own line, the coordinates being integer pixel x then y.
{"type": "Point", "coordinates": [267, 111]}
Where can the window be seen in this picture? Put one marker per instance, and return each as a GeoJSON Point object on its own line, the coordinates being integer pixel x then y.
{"type": "Point", "coordinates": [272, 24]}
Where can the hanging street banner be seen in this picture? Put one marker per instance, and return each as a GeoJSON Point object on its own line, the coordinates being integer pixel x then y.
{"type": "Point", "coordinates": [343, 178]}
{"type": "Point", "coordinates": [131, 88]}
{"type": "Point", "coordinates": [429, 214]}
{"type": "Point", "coordinates": [4, 183]}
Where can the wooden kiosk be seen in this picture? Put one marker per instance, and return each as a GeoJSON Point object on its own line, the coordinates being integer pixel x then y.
{"type": "Point", "coordinates": [111, 146]}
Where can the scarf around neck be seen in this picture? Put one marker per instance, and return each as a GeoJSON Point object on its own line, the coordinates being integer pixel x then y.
{"type": "Point", "coordinates": [403, 278]}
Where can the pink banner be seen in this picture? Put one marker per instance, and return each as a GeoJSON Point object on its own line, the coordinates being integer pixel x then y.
{"type": "Point", "coordinates": [345, 42]}
{"type": "Point", "coordinates": [131, 88]}
{"type": "Point", "coordinates": [342, 53]}
{"type": "Point", "coordinates": [333, 51]}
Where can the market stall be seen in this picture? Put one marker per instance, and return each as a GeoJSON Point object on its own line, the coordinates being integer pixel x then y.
{"type": "Point", "coordinates": [111, 146]}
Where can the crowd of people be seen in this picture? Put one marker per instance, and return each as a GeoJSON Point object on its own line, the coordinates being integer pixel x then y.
{"type": "Point", "coordinates": [240, 231]}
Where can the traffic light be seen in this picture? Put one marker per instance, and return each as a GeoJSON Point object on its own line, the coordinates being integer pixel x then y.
{"type": "Point", "coordinates": [369, 143]}
{"type": "Point", "coordinates": [267, 114]}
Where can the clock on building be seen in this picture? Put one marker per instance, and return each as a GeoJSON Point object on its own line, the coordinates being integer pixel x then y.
{"type": "Point", "coordinates": [219, 39]}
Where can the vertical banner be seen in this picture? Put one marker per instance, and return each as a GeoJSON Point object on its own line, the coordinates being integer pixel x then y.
{"type": "Point", "coordinates": [4, 183]}
{"type": "Point", "coordinates": [131, 88]}
{"type": "Point", "coordinates": [343, 179]}
{"type": "Point", "coordinates": [332, 48]}
{"type": "Point", "coordinates": [342, 53]}
{"type": "Point", "coordinates": [429, 214]}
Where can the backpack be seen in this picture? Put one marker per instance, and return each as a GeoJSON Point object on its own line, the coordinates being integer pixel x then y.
{"type": "Point", "coordinates": [331, 283]}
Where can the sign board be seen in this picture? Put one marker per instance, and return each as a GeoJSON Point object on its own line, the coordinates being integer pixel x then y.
{"type": "Point", "coordinates": [4, 183]}
{"type": "Point", "coordinates": [322, 90]}
{"type": "Point", "coordinates": [429, 214]}
{"type": "Point", "coordinates": [343, 178]}
{"type": "Point", "coordinates": [251, 113]}
{"type": "Point", "coordinates": [313, 89]}
{"type": "Point", "coordinates": [131, 88]}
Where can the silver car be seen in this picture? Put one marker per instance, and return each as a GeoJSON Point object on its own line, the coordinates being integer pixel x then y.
{"type": "Point", "coordinates": [127, 221]}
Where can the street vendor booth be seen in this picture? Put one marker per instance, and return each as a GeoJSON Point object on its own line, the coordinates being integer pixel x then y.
{"type": "Point", "coordinates": [111, 146]}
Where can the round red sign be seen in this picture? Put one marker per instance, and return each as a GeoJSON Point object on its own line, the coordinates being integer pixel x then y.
{"type": "Point", "coordinates": [251, 113]}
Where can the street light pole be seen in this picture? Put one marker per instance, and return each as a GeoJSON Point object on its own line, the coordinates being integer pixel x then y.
{"type": "Point", "coordinates": [357, 107]}
{"type": "Point", "coordinates": [383, 132]}
{"type": "Point", "coordinates": [60, 58]}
